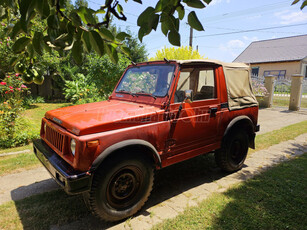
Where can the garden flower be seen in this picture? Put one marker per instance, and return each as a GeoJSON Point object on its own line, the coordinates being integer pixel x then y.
{"type": "Point", "coordinates": [6, 92]}
{"type": "Point", "coordinates": [17, 74]}
{"type": "Point", "coordinates": [18, 89]}
{"type": "Point", "coordinates": [8, 76]}
{"type": "Point", "coordinates": [3, 83]}
{"type": "Point", "coordinates": [19, 79]}
{"type": "Point", "coordinates": [11, 90]}
{"type": "Point", "coordinates": [23, 86]}
{"type": "Point", "coordinates": [11, 87]}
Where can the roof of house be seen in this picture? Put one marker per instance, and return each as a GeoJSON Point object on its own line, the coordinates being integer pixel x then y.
{"type": "Point", "coordinates": [275, 50]}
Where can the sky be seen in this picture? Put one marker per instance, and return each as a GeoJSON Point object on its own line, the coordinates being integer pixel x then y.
{"type": "Point", "coordinates": [230, 25]}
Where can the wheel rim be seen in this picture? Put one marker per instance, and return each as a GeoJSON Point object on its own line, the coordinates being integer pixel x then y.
{"type": "Point", "coordinates": [237, 152]}
{"type": "Point", "coordinates": [124, 187]}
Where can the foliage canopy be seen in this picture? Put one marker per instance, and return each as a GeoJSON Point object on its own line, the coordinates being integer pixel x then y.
{"type": "Point", "coordinates": [79, 30]}
{"type": "Point", "coordinates": [180, 53]}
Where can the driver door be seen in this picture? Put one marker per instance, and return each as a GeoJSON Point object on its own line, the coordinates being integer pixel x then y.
{"type": "Point", "coordinates": [196, 127]}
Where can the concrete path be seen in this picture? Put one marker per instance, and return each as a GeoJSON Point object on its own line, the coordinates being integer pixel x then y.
{"type": "Point", "coordinates": [20, 185]}
{"type": "Point", "coordinates": [276, 118]}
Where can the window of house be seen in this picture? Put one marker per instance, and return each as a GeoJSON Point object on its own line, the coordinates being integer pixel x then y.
{"type": "Point", "coordinates": [255, 71]}
{"type": "Point", "coordinates": [280, 74]}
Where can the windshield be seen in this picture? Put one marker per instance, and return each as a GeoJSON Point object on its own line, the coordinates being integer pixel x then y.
{"type": "Point", "coordinates": [154, 80]}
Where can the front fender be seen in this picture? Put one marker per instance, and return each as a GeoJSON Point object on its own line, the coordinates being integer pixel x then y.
{"type": "Point", "coordinates": [123, 144]}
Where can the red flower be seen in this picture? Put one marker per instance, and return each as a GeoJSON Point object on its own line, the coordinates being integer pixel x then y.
{"type": "Point", "coordinates": [6, 92]}
{"type": "Point", "coordinates": [23, 86]}
{"type": "Point", "coordinates": [19, 79]}
{"type": "Point", "coordinates": [17, 74]}
{"type": "Point", "coordinates": [18, 89]}
{"type": "Point", "coordinates": [8, 76]}
{"type": "Point", "coordinates": [11, 90]}
{"type": "Point", "coordinates": [3, 83]}
{"type": "Point", "coordinates": [11, 87]}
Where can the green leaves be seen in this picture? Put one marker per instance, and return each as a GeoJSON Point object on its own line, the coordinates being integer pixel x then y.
{"type": "Point", "coordinates": [174, 38]}
{"type": "Point", "coordinates": [148, 21]}
{"type": "Point", "coordinates": [42, 7]}
{"type": "Point", "coordinates": [106, 34]}
{"type": "Point", "coordinates": [303, 4]}
{"type": "Point", "coordinates": [96, 42]}
{"type": "Point", "coordinates": [37, 42]}
{"type": "Point", "coordinates": [194, 22]}
{"type": "Point", "coordinates": [77, 52]}
{"type": "Point", "coordinates": [86, 14]}
{"type": "Point", "coordinates": [195, 3]}
{"type": "Point", "coordinates": [21, 44]}
{"type": "Point", "coordinates": [122, 36]}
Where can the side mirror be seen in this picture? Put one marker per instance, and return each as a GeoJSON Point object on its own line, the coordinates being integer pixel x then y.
{"type": "Point", "coordinates": [188, 95]}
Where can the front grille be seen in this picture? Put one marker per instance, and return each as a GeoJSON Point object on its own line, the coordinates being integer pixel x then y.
{"type": "Point", "coordinates": [55, 138]}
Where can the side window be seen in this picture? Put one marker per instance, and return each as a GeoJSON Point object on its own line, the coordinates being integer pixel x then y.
{"type": "Point", "coordinates": [200, 80]}
{"type": "Point", "coordinates": [206, 85]}
{"type": "Point", "coordinates": [183, 84]}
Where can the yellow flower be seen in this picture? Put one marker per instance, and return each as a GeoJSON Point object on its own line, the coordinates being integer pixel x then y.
{"type": "Point", "coordinates": [1, 112]}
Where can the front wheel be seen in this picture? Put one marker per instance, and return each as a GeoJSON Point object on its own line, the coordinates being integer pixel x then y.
{"type": "Point", "coordinates": [120, 188]}
{"type": "Point", "coordinates": [231, 156]}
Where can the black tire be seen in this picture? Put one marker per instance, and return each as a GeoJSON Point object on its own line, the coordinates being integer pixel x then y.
{"type": "Point", "coordinates": [231, 156]}
{"type": "Point", "coordinates": [120, 188]}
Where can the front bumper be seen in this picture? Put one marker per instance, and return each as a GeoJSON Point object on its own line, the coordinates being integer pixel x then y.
{"type": "Point", "coordinates": [72, 181]}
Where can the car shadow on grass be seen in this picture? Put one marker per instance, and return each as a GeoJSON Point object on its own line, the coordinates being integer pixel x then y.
{"type": "Point", "coordinates": [56, 210]}
{"type": "Point", "coordinates": [275, 199]}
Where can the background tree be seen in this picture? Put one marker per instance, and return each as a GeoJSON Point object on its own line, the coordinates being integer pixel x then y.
{"type": "Point", "coordinates": [180, 53]}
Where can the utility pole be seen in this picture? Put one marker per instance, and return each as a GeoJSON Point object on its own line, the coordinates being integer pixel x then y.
{"type": "Point", "coordinates": [191, 37]}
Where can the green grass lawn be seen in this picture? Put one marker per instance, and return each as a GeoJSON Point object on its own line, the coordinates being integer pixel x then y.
{"type": "Point", "coordinates": [276, 199]}
{"type": "Point", "coordinates": [284, 102]}
{"type": "Point", "coordinates": [35, 114]}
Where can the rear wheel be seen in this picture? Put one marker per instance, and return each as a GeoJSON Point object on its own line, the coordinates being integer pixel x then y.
{"type": "Point", "coordinates": [232, 155]}
{"type": "Point", "coordinates": [120, 188]}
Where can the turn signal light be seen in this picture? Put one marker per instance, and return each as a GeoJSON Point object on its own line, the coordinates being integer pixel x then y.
{"type": "Point", "coordinates": [92, 144]}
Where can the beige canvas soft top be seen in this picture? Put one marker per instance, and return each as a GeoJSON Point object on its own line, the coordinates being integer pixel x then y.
{"type": "Point", "coordinates": [238, 81]}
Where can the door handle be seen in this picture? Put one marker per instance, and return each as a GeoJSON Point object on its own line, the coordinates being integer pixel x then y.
{"type": "Point", "coordinates": [213, 111]}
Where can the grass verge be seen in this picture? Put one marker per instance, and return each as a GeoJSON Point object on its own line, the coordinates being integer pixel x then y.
{"type": "Point", "coordinates": [17, 163]}
{"type": "Point", "coordinates": [276, 199]}
{"type": "Point", "coordinates": [266, 140]}
{"type": "Point", "coordinates": [284, 101]}
{"type": "Point", "coordinates": [42, 211]}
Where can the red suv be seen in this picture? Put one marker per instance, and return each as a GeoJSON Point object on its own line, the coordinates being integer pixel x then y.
{"type": "Point", "coordinates": [160, 113]}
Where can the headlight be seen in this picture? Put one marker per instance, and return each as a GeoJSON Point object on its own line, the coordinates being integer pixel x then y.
{"type": "Point", "coordinates": [73, 146]}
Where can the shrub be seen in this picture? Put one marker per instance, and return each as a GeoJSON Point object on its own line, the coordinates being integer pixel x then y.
{"type": "Point", "coordinates": [80, 91]}
{"type": "Point", "coordinates": [12, 92]}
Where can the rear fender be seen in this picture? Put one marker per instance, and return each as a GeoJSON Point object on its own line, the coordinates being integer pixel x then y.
{"type": "Point", "coordinates": [242, 122]}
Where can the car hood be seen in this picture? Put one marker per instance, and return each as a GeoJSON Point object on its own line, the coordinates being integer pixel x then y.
{"type": "Point", "coordinates": [102, 116]}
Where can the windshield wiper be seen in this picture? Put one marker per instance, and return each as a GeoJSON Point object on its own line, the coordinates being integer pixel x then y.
{"type": "Point", "coordinates": [146, 94]}
{"type": "Point", "coordinates": [125, 91]}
